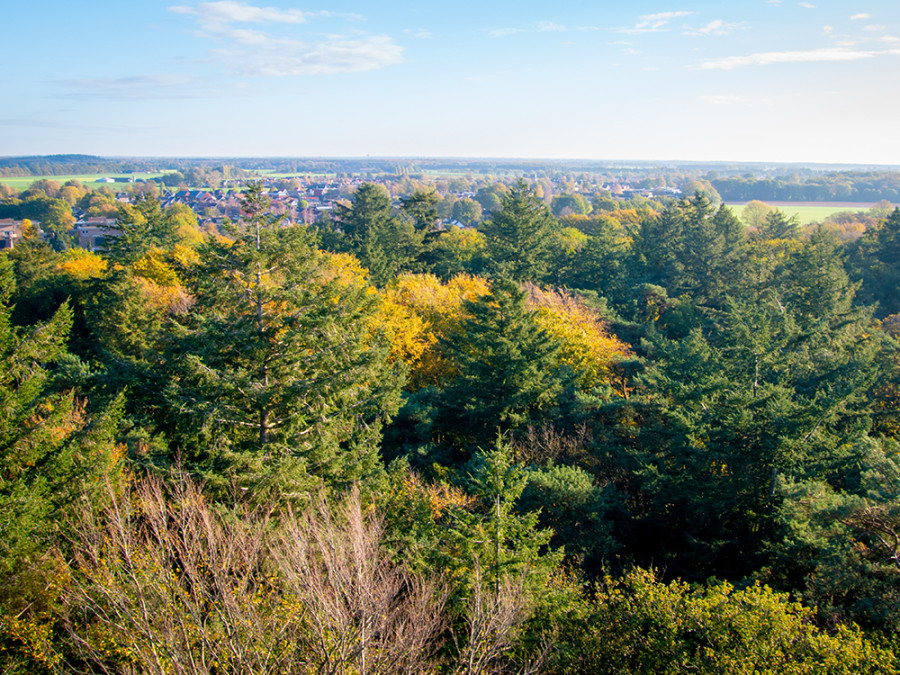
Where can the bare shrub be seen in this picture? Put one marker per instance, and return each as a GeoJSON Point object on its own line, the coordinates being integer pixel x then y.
{"type": "Point", "coordinates": [495, 614]}
{"type": "Point", "coordinates": [364, 613]}
{"type": "Point", "coordinates": [165, 583]}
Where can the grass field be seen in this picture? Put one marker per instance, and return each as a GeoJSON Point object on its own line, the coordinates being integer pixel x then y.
{"type": "Point", "coordinates": [90, 179]}
{"type": "Point", "coordinates": [807, 213]}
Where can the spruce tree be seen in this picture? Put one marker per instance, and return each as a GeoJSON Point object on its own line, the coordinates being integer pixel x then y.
{"type": "Point", "coordinates": [279, 375]}
{"type": "Point", "coordinates": [384, 243]}
{"type": "Point", "coordinates": [519, 236]}
{"type": "Point", "coordinates": [506, 373]}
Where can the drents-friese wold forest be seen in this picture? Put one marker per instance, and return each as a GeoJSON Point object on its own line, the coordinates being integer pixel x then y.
{"type": "Point", "coordinates": [360, 417]}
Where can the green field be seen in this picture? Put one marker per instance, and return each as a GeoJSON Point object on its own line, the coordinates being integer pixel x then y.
{"type": "Point", "coordinates": [90, 179]}
{"type": "Point", "coordinates": [807, 213]}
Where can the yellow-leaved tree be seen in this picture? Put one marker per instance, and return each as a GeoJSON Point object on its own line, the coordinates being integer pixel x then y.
{"type": "Point", "coordinates": [587, 347]}
{"type": "Point", "coordinates": [156, 274]}
{"type": "Point", "coordinates": [81, 264]}
{"type": "Point", "coordinates": [418, 311]}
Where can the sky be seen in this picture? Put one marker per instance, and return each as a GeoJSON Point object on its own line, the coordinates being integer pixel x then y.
{"type": "Point", "coordinates": [747, 80]}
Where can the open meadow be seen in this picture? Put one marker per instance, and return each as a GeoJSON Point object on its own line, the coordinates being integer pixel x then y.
{"type": "Point", "coordinates": [91, 180]}
{"type": "Point", "coordinates": [808, 212]}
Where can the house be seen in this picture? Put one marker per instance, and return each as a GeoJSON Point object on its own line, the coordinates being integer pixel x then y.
{"type": "Point", "coordinates": [10, 232]}
{"type": "Point", "coordinates": [91, 233]}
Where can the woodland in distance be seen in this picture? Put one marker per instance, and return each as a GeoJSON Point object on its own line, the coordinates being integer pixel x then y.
{"type": "Point", "coordinates": [597, 435]}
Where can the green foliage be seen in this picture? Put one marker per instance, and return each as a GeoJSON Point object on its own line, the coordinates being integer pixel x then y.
{"type": "Point", "coordinates": [692, 249]}
{"type": "Point", "coordinates": [876, 259]}
{"type": "Point", "coordinates": [457, 251]}
{"type": "Point", "coordinates": [506, 377]}
{"type": "Point", "coordinates": [139, 228]}
{"type": "Point", "coordinates": [275, 375]}
{"type": "Point", "coordinates": [575, 508]}
{"type": "Point", "coordinates": [467, 211]}
{"type": "Point", "coordinates": [53, 456]}
{"type": "Point", "coordinates": [519, 235]}
{"type": "Point", "coordinates": [640, 625]}
{"type": "Point", "coordinates": [842, 544]}
{"type": "Point", "coordinates": [383, 242]}
{"type": "Point", "coordinates": [421, 206]}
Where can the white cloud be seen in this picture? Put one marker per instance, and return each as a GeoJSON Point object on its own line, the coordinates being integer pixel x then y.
{"type": "Point", "coordinates": [420, 33]}
{"type": "Point", "coordinates": [717, 27]}
{"type": "Point", "coordinates": [811, 56]}
{"type": "Point", "coordinates": [228, 11]}
{"type": "Point", "coordinates": [550, 27]}
{"type": "Point", "coordinates": [323, 58]}
{"type": "Point", "coordinates": [806, 5]}
{"type": "Point", "coordinates": [857, 17]}
{"type": "Point", "coordinates": [653, 23]}
{"type": "Point", "coordinates": [252, 51]}
{"type": "Point", "coordinates": [541, 27]}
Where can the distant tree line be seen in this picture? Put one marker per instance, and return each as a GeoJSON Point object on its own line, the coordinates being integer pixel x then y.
{"type": "Point", "coordinates": [843, 186]}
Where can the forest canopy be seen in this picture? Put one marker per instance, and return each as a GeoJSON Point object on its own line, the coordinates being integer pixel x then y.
{"type": "Point", "coordinates": [642, 437]}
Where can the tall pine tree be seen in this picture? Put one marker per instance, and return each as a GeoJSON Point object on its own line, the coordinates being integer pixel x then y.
{"type": "Point", "coordinates": [279, 379]}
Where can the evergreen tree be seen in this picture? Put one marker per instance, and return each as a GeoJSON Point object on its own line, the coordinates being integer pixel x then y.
{"type": "Point", "coordinates": [692, 250]}
{"type": "Point", "coordinates": [139, 228]}
{"type": "Point", "coordinates": [519, 235]}
{"type": "Point", "coordinates": [53, 456]}
{"type": "Point", "coordinates": [877, 261]}
{"type": "Point", "coordinates": [506, 377]}
{"type": "Point", "coordinates": [384, 243]}
{"type": "Point", "coordinates": [277, 372]}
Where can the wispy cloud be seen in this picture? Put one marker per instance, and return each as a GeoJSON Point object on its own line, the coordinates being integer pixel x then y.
{"type": "Point", "coordinates": [717, 27]}
{"type": "Point", "coordinates": [724, 99]}
{"type": "Point", "coordinates": [540, 27]}
{"type": "Point", "coordinates": [653, 23]}
{"type": "Point", "coordinates": [857, 17]}
{"type": "Point", "coordinates": [550, 27]}
{"type": "Point", "coordinates": [810, 56]}
{"type": "Point", "coordinates": [806, 5]}
{"type": "Point", "coordinates": [228, 11]}
{"type": "Point", "coordinates": [258, 51]}
{"type": "Point", "coordinates": [420, 33]}
{"type": "Point", "coordinates": [337, 55]}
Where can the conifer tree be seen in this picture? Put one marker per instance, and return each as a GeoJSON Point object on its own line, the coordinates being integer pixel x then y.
{"type": "Point", "coordinates": [53, 455]}
{"type": "Point", "coordinates": [277, 371]}
{"type": "Point", "coordinates": [139, 228]}
{"type": "Point", "coordinates": [384, 243]}
{"type": "Point", "coordinates": [506, 373]}
{"type": "Point", "coordinates": [519, 235]}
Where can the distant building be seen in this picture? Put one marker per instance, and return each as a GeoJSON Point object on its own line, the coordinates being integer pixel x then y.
{"type": "Point", "coordinates": [91, 233]}
{"type": "Point", "coordinates": [10, 232]}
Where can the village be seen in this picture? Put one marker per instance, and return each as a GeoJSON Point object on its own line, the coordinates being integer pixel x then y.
{"type": "Point", "coordinates": [300, 199]}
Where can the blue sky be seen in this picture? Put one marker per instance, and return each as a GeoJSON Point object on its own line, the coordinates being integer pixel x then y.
{"type": "Point", "coordinates": [748, 80]}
